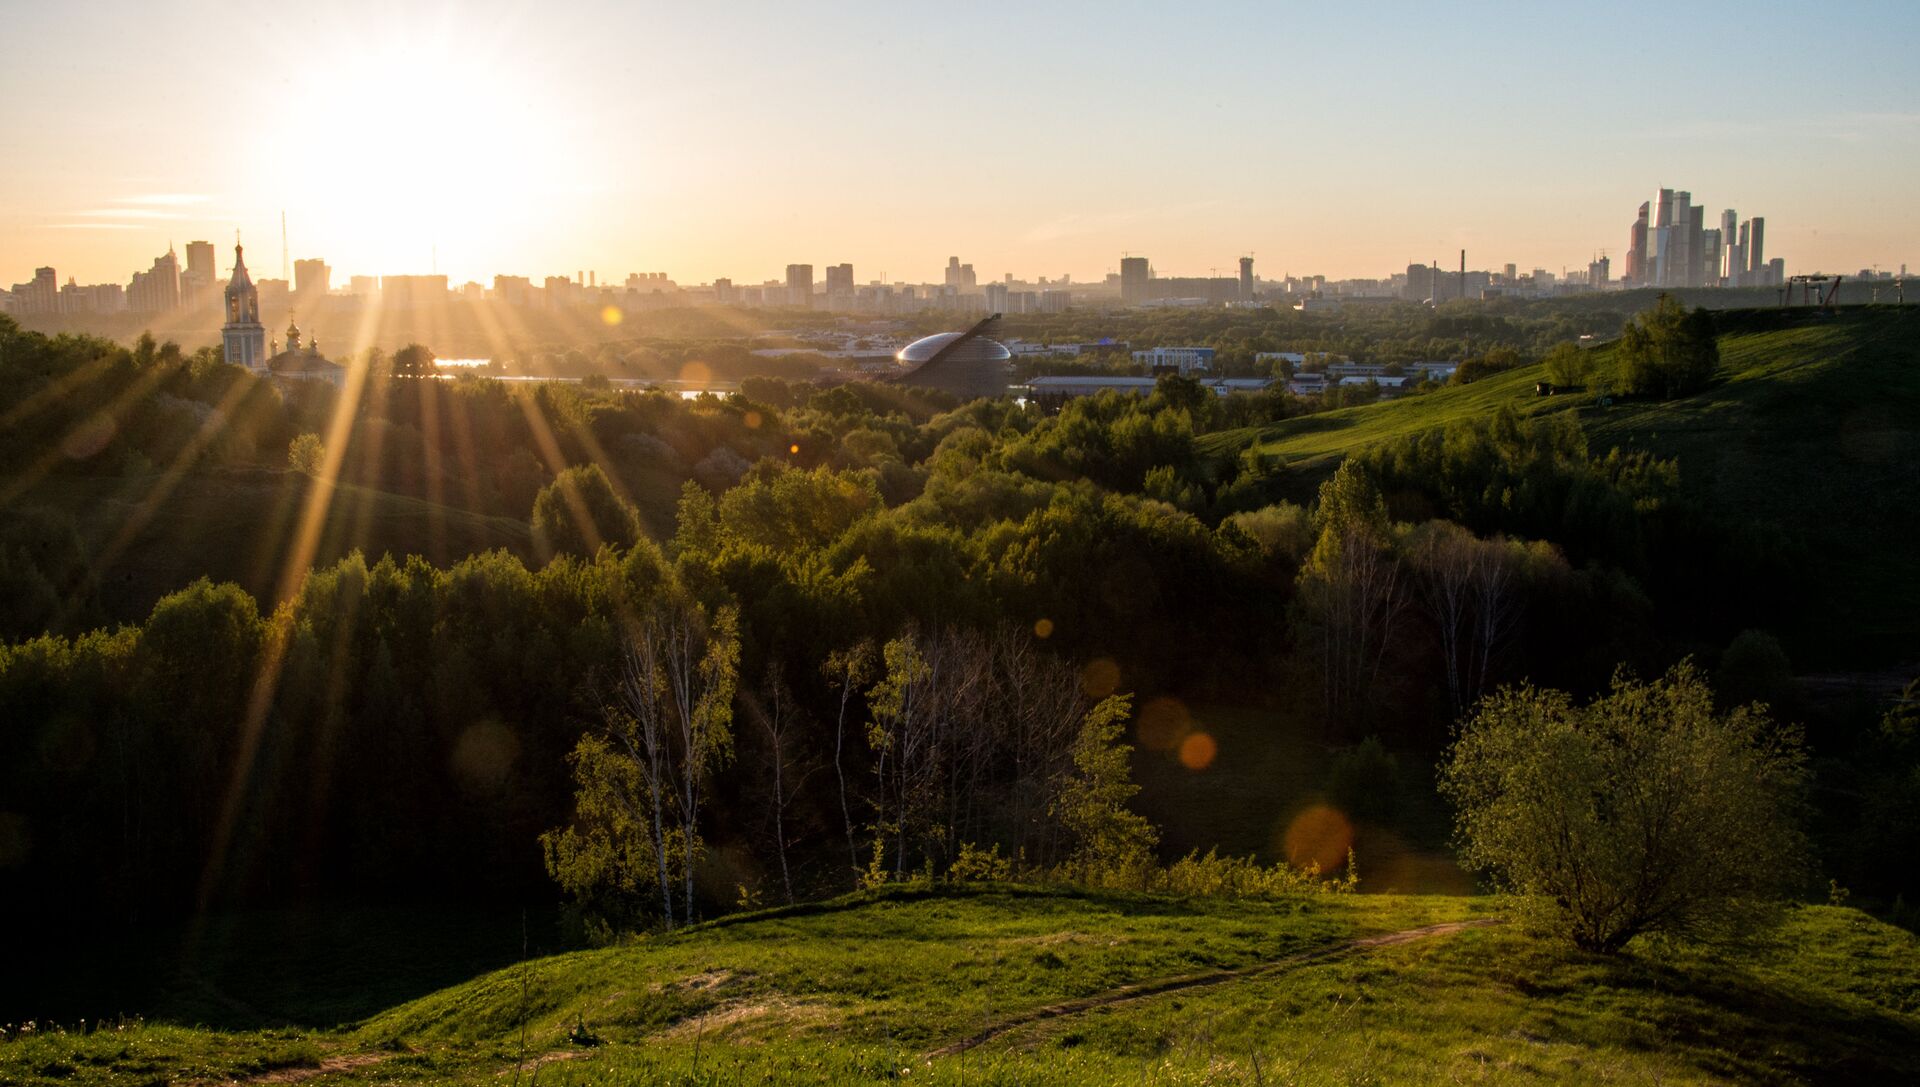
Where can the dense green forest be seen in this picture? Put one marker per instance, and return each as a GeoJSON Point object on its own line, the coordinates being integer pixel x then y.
{"type": "Point", "coordinates": [279, 644]}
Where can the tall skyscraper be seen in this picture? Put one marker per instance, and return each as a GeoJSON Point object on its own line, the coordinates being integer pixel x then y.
{"type": "Point", "coordinates": [1696, 244]}
{"type": "Point", "coordinates": [1134, 273]}
{"type": "Point", "coordinates": [200, 261]}
{"type": "Point", "coordinates": [1667, 253]}
{"type": "Point", "coordinates": [1659, 235]}
{"type": "Point", "coordinates": [1246, 279]}
{"type": "Point", "coordinates": [1737, 259]}
{"type": "Point", "coordinates": [799, 284]}
{"type": "Point", "coordinates": [960, 276]}
{"type": "Point", "coordinates": [1672, 252]}
{"type": "Point", "coordinates": [1729, 251]}
{"type": "Point", "coordinates": [196, 283]}
{"type": "Point", "coordinates": [1757, 251]}
{"type": "Point", "coordinates": [1637, 249]}
{"type": "Point", "coordinates": [839, 279]}
{"type": "Point", "coordinates": [243, 337]}
{"type": "Point", "coordinates": [311, 276]}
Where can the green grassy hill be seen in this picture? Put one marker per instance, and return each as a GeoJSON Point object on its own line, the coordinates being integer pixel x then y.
{"type": "Point", "coordinates": [1810, 430]}
{"type": "Point", "coordinates": [1004, 985]}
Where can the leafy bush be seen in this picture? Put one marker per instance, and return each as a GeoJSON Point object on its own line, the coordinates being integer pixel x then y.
{"type": "Point", "coordinates": [305, 454]}
{"type": "Point", "coordinates": [1644, 811]}
{"type": "Point", "coordinates": [579, 512]}
{"type": "Point", "coordinates": [1568, 366]}
{"type": "Point", "coordinates": [976, 865]}
{"type": "Point", "coordinates": [1667, 351]}
{"type": "Point", "coordinates": [1215, 876]}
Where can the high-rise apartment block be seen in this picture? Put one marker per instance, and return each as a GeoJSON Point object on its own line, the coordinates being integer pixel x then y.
{"type": "Point", "coordinates": [1134, 274]}
{"type": "Point", "coordinates": [799, 284]}
{"type": "Point", "coordinates": [38, 297]}
{"type": "Point", "coordinates": [311, 276]}
{"type": "Point", "coordinates": [158, 289]}
{"type": "Point", "coordinates": [960, 276]}
{"type": "Point", "coordinates": [198, 281]}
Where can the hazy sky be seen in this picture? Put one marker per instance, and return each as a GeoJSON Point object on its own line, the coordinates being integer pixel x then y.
{"type": "Point", "coordinates": [731, 138]}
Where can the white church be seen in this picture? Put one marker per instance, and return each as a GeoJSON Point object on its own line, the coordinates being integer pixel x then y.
{"type": "Point", "coordinates": [244, 338]}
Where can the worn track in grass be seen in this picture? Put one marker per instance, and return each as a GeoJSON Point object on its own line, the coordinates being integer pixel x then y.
{"type": "Point", "coordinates": [1158, 987]}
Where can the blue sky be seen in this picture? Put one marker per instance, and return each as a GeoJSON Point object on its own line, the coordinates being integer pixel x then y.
{"type": "Point", "coordinates": [1034, 139]}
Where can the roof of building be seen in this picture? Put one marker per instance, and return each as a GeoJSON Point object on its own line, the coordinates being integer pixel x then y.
{"type": "Point", "coordinates": [305, 361]}
{"type": "Point", "coordinates": [966, 364]}
{"type": "Point", "coordinates": [240, 280]}
{"type": "Point", "coordinates": [1088, 384]}
{"type": "Point", "coordinates": [1091, 381]}
{"type": "Point", "coordinates": [977, 349]}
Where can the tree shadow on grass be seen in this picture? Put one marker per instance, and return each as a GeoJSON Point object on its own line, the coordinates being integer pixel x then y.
{"type": "Point", "coordinates": [1317, 423]}
{"type": "Point", "coordinates": [1730, 1022]}
{"type": "Point", "coordinates": [313, 966]}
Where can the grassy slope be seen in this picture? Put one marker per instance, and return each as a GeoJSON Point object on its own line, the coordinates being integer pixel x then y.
{"type": "Point", "coordinates": [856, 990]}
{"type": "Point", "coordinates": [1811, 429]}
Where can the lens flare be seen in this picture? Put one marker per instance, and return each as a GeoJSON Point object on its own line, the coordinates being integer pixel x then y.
{"type": "Point", "coordinates": [484, 755]}
{"type": "Point", "coordinates": [1163, 723]}
{"type": "Point", "coordinates": [1100, 678]}
{"type": "Point", "coordinates": [1318, 836]}
{"type": "Point", "coordinates": [1197, 751]}
{"type": "Point", "coordinates": [611, 316]}
{"type": "Point", "coordinates": [1043, 629]}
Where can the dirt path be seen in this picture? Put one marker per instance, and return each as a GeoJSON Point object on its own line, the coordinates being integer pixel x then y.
{"type": "Point", "coordinates": [327, 1067]}
{"type": "Point", "coordinates": [1144, 989]}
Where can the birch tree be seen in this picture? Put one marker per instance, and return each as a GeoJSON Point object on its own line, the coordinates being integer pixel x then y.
{"type": "Point", "coordinates": [1351, 593]}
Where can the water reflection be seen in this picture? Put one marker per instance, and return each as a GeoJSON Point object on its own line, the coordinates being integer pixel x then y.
{"type": "Point", "coordinates": [449, 369]}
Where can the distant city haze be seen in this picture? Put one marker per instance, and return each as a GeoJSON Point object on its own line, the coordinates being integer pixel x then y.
{"type": "Point", "coordinates": [735, 139]}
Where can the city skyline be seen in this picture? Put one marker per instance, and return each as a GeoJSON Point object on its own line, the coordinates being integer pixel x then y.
{"type": "Point", "coordinates": [499, 139]}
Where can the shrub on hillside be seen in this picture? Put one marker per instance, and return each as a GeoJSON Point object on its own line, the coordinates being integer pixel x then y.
{"type": "Point", "coordinates": [1667, 351]}
{"type": "Point", "coordinates": [579, 512]}
{"type": "Point", "coordinates": [1644, 811]}
{"type": "Point", "coordinates": [305, 454]}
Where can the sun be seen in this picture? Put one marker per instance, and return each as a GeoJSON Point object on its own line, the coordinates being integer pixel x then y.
{"type": "Point", "coordinates": [417, 140]}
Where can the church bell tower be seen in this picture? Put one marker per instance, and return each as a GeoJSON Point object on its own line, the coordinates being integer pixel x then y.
{"type": "Point", "coordinates": [243, 337]}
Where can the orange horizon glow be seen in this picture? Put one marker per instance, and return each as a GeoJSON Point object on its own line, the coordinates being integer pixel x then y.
{"type": "Point", "coordinates": [499, 137]}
